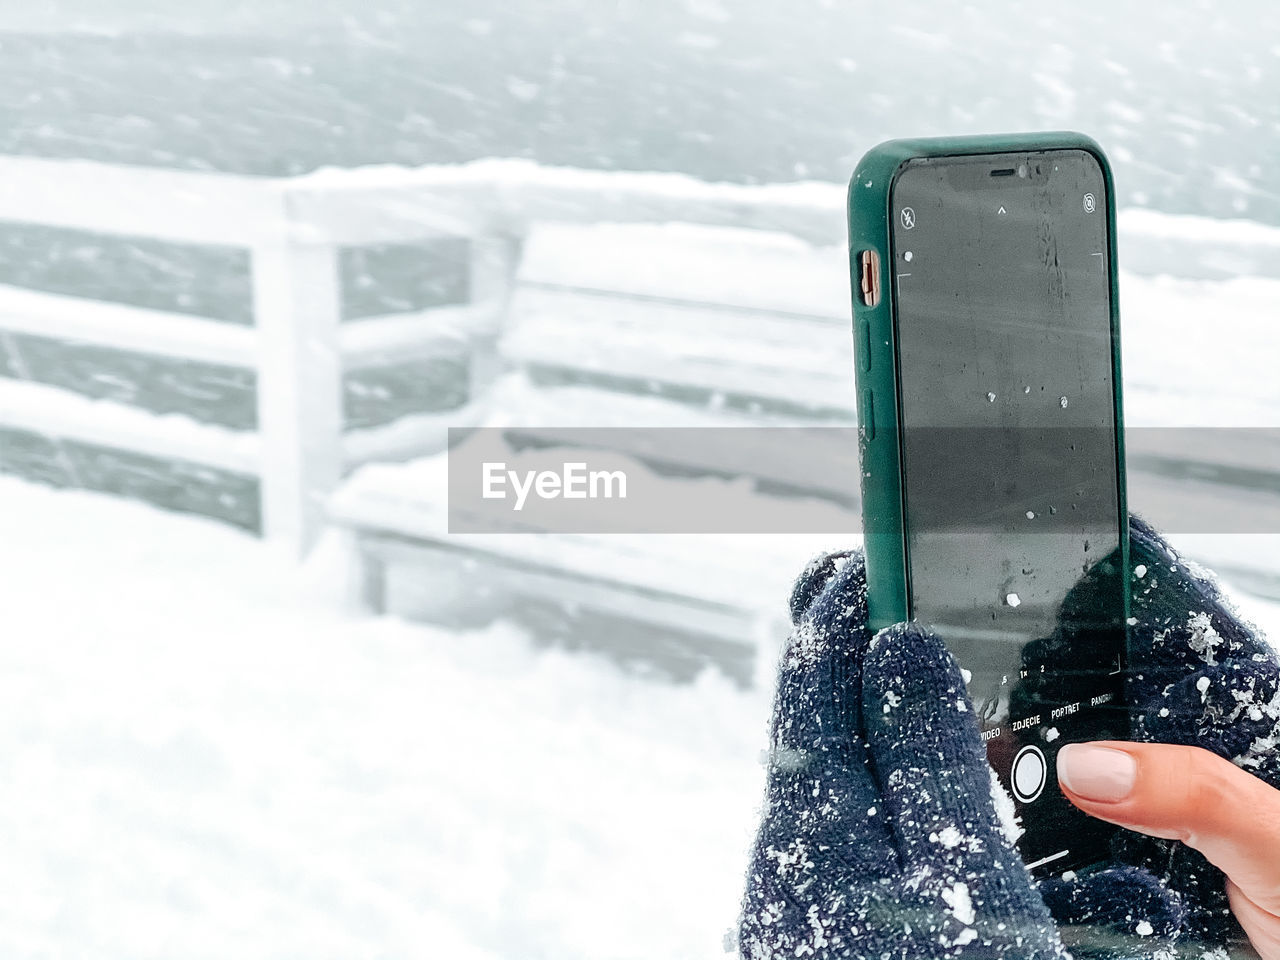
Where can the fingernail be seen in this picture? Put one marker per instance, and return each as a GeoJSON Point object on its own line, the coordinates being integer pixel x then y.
{"type": "Point", "coordinates": [1096, 773]}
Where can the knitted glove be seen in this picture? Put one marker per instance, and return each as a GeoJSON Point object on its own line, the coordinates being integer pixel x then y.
{"type": "Point", "coordinates": [878, 819]}
{"type": "Point", "coordinates": [1198, 675]}
{"type": "Point", "coordinates": [879, 837]}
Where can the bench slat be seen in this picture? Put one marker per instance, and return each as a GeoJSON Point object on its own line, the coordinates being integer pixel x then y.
{"type": "Point", "coordinates": [713, 265]}
{"type": "Point", "coordinates": [800, 362]}
{"type": "Point", "coordinates": [750, 571]}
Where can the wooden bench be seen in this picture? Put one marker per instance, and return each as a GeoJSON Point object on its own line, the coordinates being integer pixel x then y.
{"type": "Point", "coordinates": [615, 325]}
{"type": "Point", "coordinates": [710, 328]}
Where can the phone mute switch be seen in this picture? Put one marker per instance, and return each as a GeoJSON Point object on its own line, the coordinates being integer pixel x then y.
{"type": "Point", "coordinates": [866, 416]}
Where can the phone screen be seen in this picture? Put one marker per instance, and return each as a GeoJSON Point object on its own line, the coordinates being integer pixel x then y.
{"type": "Point", "coordinates": [1007, 409]}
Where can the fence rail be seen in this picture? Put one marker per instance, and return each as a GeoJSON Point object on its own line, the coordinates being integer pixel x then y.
{"type": "Point", "coordinates": [298, 347]}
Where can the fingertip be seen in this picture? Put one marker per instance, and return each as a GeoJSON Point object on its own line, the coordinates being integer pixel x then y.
{"type": "Point", "coordinates": [911, 640]}
{"type": "Point", "coordinates": [912, 685]}
{"type": "Point", "coordinates": [1095, 773]}
{"type": "Point", "coordinates": [817, 678]}
{"type": "Point", "coordinates": [846, 566]}
{"type": "Point", "coordinates": [1174, 792]}
{"type": "Point", "coordinates": [914, 657]}
{"type": "Point", "coordinates": [927, 754]}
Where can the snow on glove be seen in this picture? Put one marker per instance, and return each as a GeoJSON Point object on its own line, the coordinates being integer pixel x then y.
{"type": "Point", "coordinates": [1199, 676]}
{"type": "Point", "coordinates": [880, 838]}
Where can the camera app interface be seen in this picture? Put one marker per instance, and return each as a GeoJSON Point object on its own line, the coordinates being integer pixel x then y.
{"type": "Point", "coordinates": [1001, 274]}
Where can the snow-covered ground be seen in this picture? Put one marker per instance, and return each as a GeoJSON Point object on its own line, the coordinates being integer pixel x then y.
{"type": "Point", "coordinates": [209, 753]}
{"type": "Point", "coordinates": [205, 753]}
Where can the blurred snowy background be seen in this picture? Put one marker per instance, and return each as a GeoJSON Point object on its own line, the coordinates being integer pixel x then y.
{"type": "Point", "coordinates": [255, 258]}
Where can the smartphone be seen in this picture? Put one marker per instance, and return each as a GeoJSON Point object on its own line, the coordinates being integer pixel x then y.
{"type": "Point", "coordinates": [987, 357]}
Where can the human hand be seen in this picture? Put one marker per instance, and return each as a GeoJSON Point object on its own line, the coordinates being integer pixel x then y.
{"type": "Point", "coordinates": [1207, 689]}
{"type": "Point", "coordinates": [853, 860]}
{"type": "Point", "coordinates": [879, 836]}
{"type": "Point", "coordinates": [1191, 795]}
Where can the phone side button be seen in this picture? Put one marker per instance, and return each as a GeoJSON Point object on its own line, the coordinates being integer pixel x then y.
{"type": "Point", "coordinates": [866, 414]}
{"type": "Point", "coordinates": [864, 344]}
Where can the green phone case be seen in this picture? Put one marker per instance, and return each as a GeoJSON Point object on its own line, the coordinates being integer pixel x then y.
{"type": "Point", "coordinates": [875, 350]}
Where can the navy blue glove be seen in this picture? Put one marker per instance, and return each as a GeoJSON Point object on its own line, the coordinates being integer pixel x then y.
{"type": "Point", "coordinates": [879, 836]}
{"type": "Point", "coordinates": [1200, 676]}
{"type": "Point", "coordinates": [879, 818]}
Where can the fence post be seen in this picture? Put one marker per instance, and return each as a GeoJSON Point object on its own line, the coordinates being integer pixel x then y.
{"type": "Point", "coordinates": [493, 263]}
{"type": "Point", "coordinates": [297, 303]}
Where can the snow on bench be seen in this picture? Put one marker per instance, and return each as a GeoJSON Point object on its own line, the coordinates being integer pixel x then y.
{"type": "Point", "coordinates": [725, 314]}
{"type": "Point", "coordinates": [728, 301]}
{"type": "Point", "coordinates": [730, 586]}
{"type": "Point", "coordinates": [712, 328]}
{"type": "Point", "coordinates": [677, 325]}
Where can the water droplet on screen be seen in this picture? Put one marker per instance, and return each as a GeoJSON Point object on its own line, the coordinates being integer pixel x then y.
{"type": "Point", "coordinates": [1026, 389]}
{"type": "Point", "coordinates": [1013, 600]}
{"type": "Point", "coordinates": [1052, 511]}
{"type": "Point", "coordinates": [1031, 514]}
{"type": "Point", "coordinates": [1062, 402]}
{"type": "Point", "coordinates": [991, 398]}
{"type": "Point", "coordinates": [1027, 571]}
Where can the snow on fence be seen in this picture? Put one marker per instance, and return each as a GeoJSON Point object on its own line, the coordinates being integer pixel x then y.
{"type": "Point", "coordinates": [298, 348]}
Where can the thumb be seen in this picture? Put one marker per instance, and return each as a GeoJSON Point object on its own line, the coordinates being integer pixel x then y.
{"type": "Point", "coordinates": [1189, 794]}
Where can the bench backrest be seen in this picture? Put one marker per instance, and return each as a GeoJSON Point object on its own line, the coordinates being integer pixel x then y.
{"type": "Point", "coordinates": [736, 325]}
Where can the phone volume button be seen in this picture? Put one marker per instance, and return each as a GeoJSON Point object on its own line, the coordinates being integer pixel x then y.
{"type": "Point", "coordinates": [864, 345]}
{"type": "Point", "coordinates": [867, 415]}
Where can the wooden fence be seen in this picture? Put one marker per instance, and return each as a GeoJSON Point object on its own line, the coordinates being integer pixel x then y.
{"type": "Point", "coordinates": [298, 348]}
